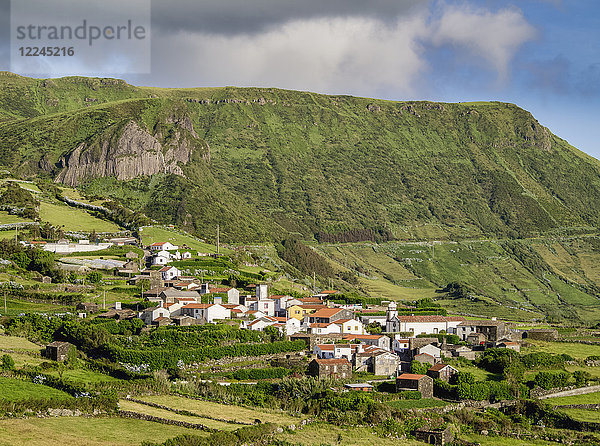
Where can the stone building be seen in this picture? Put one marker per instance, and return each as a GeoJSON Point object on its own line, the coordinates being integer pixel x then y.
{"type": "Point", "coordinates": [442, 371]}
{"type": "Point", "coordinates": [541, 334]}
{"type": "Point", "coordinates": [412, 381]}
{"type": "Point", "coordinates": [434, 436]}
{"type": "Point", "coordinates": [335, 367]}
{"type": "Point", "coordinates": [58, 351]}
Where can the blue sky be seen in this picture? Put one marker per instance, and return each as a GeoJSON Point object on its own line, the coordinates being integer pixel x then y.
{"type": "Point", "coordinates": [543, 55]}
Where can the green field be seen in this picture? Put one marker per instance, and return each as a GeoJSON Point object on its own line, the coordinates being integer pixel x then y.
{"type": "Point", "coordinates": [416, 404]}
{"type": "Point", "coordinates": [16, 390]}
{"type": "Point", "coordinates": [155, 234]}
{"type": "Point", "coordinates": [590, 398]}
{"type": "Point", "coordinates": [591, 416]}
{"type": "Point", "coordinates": [318, 434]}
{"type": "Point", "coordinates": [16, 307]}
{"type": "Point", "coordinates": [81, 431]}
{"type": "Point", "coordinates": [74, 219]}
{"type": "Point", "coordinates": [223, 411]}
{"type": "Point", "coordinates": [162, 413]}
{"type": "Point", "coordinates": [574, 349]}
{"type": "Point", "coordinates": [6, 218]}
{"type": "Point", "coordinates": [17, 343]}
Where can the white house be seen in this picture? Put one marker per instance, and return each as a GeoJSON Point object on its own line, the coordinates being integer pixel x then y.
{"type": "Point", "coordinates": [350, 326]}
{"type": "Point", "coordinates": [266, 306]}
{"type": "Point", "coordinates": [162, 246]}
{"type": "Point", "coordinates": [186, 255]}
{"type": "Point", "coordinates": [280, 303]}
{"type": "Point", "coordinates": [400, 345]}
{"type": "Point", "coordinates": [262, 291]}
{"type": "Point", "coordinates": [325, 351]}
{"type": "Point", "coordinates": [169, 273]}
{"type": "Point", "coordinates": [261, 323]}
{"type": "Point", "coordinates": [233, 295]}
{"type": "Point", "coordinates": [151, 314]}
{"type": "Point", "coordinates": [430, 349]}
{"type": "Point", "coordinates": [174, 308]}
{"type": "Point", "coordinates": [207, 312]}
{"type": "Point", "coordinates": [161, 258]}
{"type": "Point", "coordinates": [380, 341]}
{"type": "Point", "coordinates": [323, 328]}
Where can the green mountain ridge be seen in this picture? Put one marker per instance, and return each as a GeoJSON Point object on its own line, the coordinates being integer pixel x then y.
{"type": "Point", "coordinates": [269, 164]}
{"type": "Point", "coordinates": [297, 162]}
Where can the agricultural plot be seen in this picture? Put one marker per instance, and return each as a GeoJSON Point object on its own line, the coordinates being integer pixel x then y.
{"type": "Point", "coordinates": [6, 218]}
{"type": "Point", "coordinates": [16, 306]}
{"type": "Point", "coordinates": [328, 434]}
{"type": "Point", "coordinates": [74, 219]}
{"type": "Point", "coordinates": [591, 416]}
{"type": "Point", "coordinates": [81, 431]}
{"type": "Point", "coordinates": [590, 398]}
{"type": "Point", "coordinates": [17, 343]}
{"type": "Point", "coordinates": [16, 390]}
{"type": "Point", "coordinates": [226, 412]}
{"type": "Point", "coordinates": [574, 349]}
{"type": "Point", "coordinates": [154, 234]}
{"type": "Point", "coordinates": [167, 414]}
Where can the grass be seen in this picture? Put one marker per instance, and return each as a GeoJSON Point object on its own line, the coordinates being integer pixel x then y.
{"type": "Point", "coordinates": [17, 343]}
{"type": "Point", "coordinates": [16, 307]}
{"type": "Point", "coordinates": [590, 398]}
{"type": "Point", "coordinates": [162, 413]}
{"type": "Point", "coordinates": [319, 434]}
{"type": "Point", "coordinates": [484, 440]}
{"type": "Point", "coordinates": [16, 390]}
{"type": "Point", "coordinates": [480, 374]}
{"type": "Point", "coordinates": [81, 431]}
{"type": "Point", "coordinates": [574, 349]}
{"type": "Point", "coordinates": [227, 412]}
{"type": "Point", "coordinates": [83, 376]}
{"type": "Point", "coordinates": [6, 218]}
{"type": "Point", "coordinates": [154, 234]}
{"type": "Point", "coordinates": [592, 416]}
{"type": "Point", "coordinates": [74, 219]}
{"type": "Point", "coordinates": [416, 404]}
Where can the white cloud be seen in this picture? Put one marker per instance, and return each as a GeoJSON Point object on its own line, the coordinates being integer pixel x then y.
{"type": "Point", "coordinates": [362, 56]}
{"type": "Point", "coordinates": [491, 36]}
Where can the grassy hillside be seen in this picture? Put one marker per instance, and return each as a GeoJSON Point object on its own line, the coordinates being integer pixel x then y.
{"type": "Point", "coordinates": [336, 168]}
{"type": "Point", "coordinates": [514, 279]}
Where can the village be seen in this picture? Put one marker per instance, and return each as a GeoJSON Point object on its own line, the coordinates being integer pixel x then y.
{"type": "Point", "coordinates": [337, 336]}
{"type": "Point", "coordinates": [165, 325]}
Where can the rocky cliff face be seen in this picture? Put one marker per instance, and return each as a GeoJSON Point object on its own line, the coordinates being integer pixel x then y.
{"type": "Point", "coordinates": [134, 153]}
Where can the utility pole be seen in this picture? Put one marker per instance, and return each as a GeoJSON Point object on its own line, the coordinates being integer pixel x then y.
{"type": "Point", "coordinates": [104, 300]}
{"type": "Point", "coordinates": [5, 310]}
{"type": "Point", "coordinates": [314, 282]}
{"type": "Point", "coordinates": [218, 239]}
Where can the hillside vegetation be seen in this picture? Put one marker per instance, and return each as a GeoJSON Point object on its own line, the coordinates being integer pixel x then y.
{"type": "Point", "coordinates": [266, 162]}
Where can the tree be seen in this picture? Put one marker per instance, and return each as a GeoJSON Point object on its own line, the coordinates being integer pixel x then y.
{"type": "Point", "coordinates": [418, 368]}
{"type": "Point", "coordinates": [94, 277]}
{"type": "Point", "coordinates": [8, 363]}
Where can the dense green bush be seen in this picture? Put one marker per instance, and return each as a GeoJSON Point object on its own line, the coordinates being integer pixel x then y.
{"type": "Point", "coordinates": [8, 363]}
{"type": "Point", "coordinates": [167, 358]}
{"type": "Point", "coordinates": [268, 373]}
{"type": "Point", "coordinates": [549, 380]}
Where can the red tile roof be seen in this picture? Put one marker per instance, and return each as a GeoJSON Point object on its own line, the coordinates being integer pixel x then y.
{"type": "Point", "coordinates": [438, 367]}
{"type": "Point", "coordinates": [411, 376]}
{"type": "Point", "coordinates": [431, 318]}
{"type": "Point", "coordinates": [219, 290]}
{"type": "Point", "coordinates": [198, 306]}
{"type": "Point", "coordinates": [374, 337]}
{"type": "Point", "coordinates": [332, 361]}
{"type": "Point", "coordinates": [326, 312]}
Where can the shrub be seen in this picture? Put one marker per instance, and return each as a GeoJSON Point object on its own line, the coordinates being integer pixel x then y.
{"type": "Point", "coordinates": [8, 363]}
{"type": "Point", "coordinates": [550, 380]}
